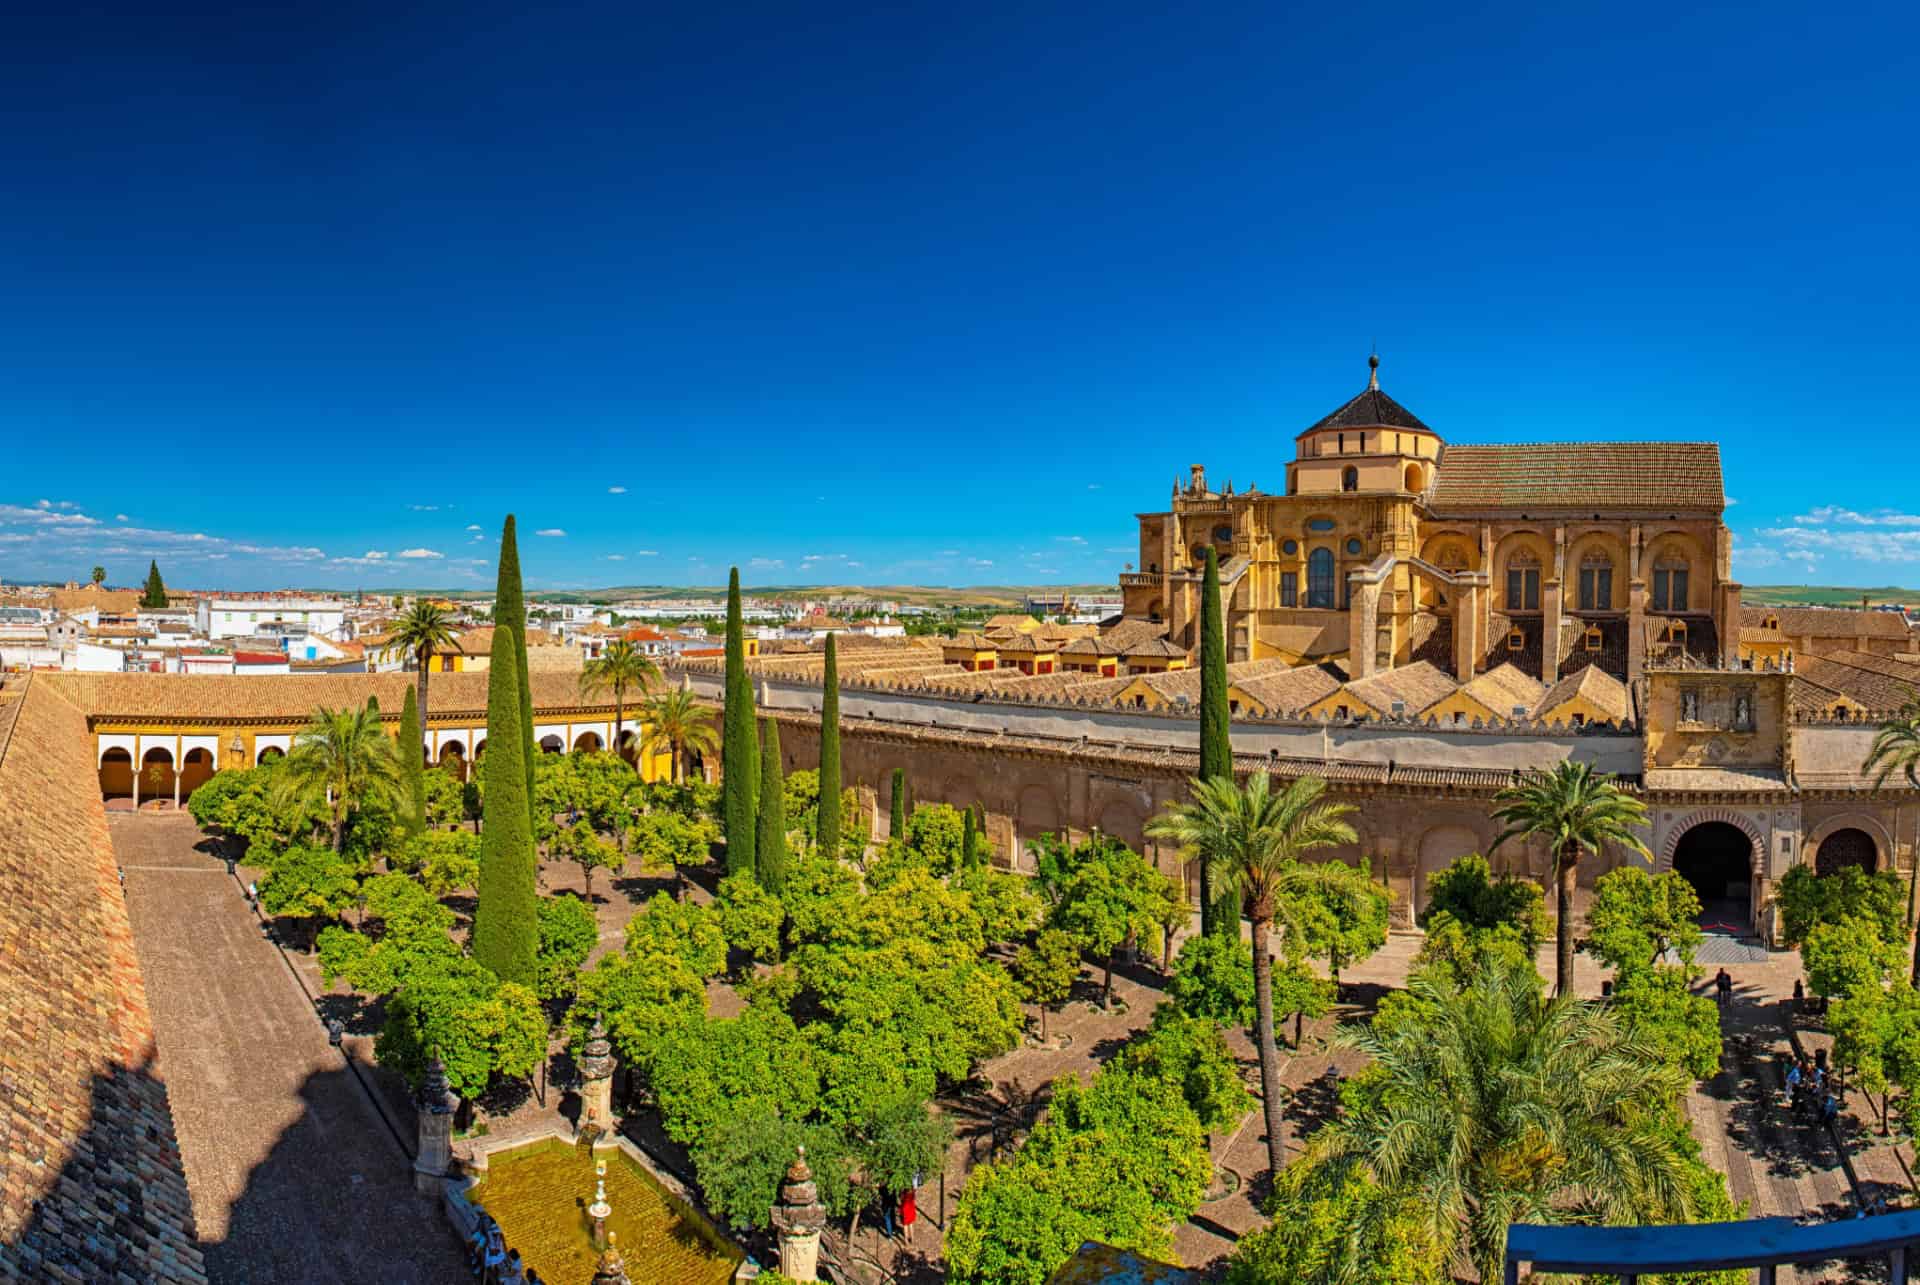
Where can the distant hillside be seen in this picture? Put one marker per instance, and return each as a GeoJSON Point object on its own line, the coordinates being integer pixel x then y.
{"type": "Point", "coordinates": [1791, 595]}
{"type": "Point", "coordinates": [906, 595]}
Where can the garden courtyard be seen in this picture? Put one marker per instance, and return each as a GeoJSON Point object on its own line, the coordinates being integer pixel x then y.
{"type": "Point", "coordinates": [298, 1159]}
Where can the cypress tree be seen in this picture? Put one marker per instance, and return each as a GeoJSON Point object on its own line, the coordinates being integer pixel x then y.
{"type": "Point", "coordinates": [770, 844]}
{"type": "Point", "coordinates": [510, 612]}
{"type": "Point", "coordinates": [897, 818]}
{"type": "Point", "coordinates": [506, 919]}
{"type": "Point", "coordinates": [827, 831]}
{"type": "Point", "coordinates": [738, 766]}
{"type": "Point", "coordinates": [156, 591]}
{"type": "Point", "coordinates": [966, 841]}
{"type": "Point", "coordinates": [412, 769]}
{"type": "Point", "coordinates": [1221, 914]}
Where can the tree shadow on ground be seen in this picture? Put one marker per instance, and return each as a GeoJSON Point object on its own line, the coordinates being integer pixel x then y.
{"type": "Point", "coordinates": [1314, 1105]}
{"type": "Point", "coordinates": [1758, 1123]}
{"type": "Point", "coordinates": [990, 1118]}
{"type": "Point", "coordinates": [358, 1014]}
{"type": "Point", "coordinates": [1104, 1050]}
{"type": "Point", "coordinates": [504, 1097]}
{"type": "Point", "coordinates": [1360, 1000]}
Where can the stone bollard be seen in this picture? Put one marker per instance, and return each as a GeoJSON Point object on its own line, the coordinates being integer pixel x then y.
{"type": "Point", "coordinates": [799, 1219]}
{"type": "Point", "coordinates": [596, 1082]}
{"type": "Point", "coordinates": [435, 1106]}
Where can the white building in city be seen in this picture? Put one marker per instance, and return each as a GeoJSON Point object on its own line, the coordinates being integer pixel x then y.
{"type": "Point", "coordinates": [245, 617]}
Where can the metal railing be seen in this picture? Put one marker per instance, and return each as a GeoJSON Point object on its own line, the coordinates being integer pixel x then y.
{"type": "Point", "coordinates": [1764, 1243]}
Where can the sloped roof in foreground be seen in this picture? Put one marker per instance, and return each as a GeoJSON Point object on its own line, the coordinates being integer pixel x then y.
{"type": "Point", "coordinates": [1579, 475]}
{"type": "Point", "coordinates": [91, 1184]}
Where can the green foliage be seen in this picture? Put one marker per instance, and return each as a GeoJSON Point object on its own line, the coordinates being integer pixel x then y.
{"type": "Point", "coordinates": [342, 762]}
{"type": "Point", "coordinates": [1121, 1161]}
{"type": "Point", "coordinates": [510, 612]}
{"type": "Point", "coordinates": [1478, 900]}
{"type": "Point", "coordinates": [1046, 971]}
{"type": "Point", "coordinates": [1808, 900]}
{"type": "Point", "coordinates": [1661, 1012]}
{"type": "Point", "coordinates": [751, 917]}
{"type": "Point", "coordinates": [1111, 899]}
{"type": "Point", "coordinates": [743, 1158]}
{"type": "Point", "coordinates": [1848, 957]}
{"type": "Point", "coordinates": [1190, 1054]}
{"type": "Point", "coordinates": [154, 596]}
{"type": "Point", "coordinates": [827, 828]}
{"type": "Point", "coordinates": [621, 668]}
{"type": "Point", "coordinates": [1637, 917]}
{"type": "Point", "coordinates": [1213, 978]}
{"type": "Point", "coordinates": [770, 839]}
{"type": "Point", "coordinates": [568, 934]}
{"type": "Point", "coordinates": [412, 766]}
{"type": "Point", "coordinates": [1341, 1232]}
{"type": "Point", "coordinates": [681, 930]}
{"type": "Point", "coordinates": [248, 804]}
{"type": "Point", "coordinates": [598, 787]}
{"type": "Point", "coordinates": [756, 1062]}
{"type": "Point", "coordinates": [480, 1026]}
{"type": "Point", "coordinates": [445, 861]}
{"type": "Point", "coordinates": [445, 796]}
{"type": "Point", "coordinates": [588, 849]}
{"type": "Point", "coordinates": [308, 881]}
{"type": "Point", "coordinates": [1005, 904]}
{"type": "Point", "coordinates": [937, 833]}
{"type": "Point", "coordinates": [739, 757]}
{"type": "Point", "coordinates": [666, 840]}
{"type": "Point", "coordinates": [1219, 910]}
{"type": "Point", "coordinates": [506, 925]}
{"type": "Point", "coordinates": [897, 805]}
{"type": "Point", "coordinates": [648, 1001]}
{"type": "Point", "coordinates": [1341, 911]}
{"type": "Point", "coordinates": [820, 892]}
{"type": "Point", "coordinates": [1298, 991]}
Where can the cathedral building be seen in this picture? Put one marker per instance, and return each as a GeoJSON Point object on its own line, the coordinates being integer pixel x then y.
{"type": "Point", "coordinates": [1389, 545]}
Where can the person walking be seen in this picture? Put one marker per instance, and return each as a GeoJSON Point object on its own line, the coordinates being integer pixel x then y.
{"type": "Point", "coordinates": [1793, 1087]}
{"type": "Point", "coordinates": [1723, 983]}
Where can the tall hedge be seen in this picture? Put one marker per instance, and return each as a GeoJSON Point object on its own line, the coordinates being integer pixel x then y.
{"type": "Point", "coordinates": [155, 594]}
{"type": "Point", "coordinates": [739, 768]}
{"type": "Point", "coordinates": [770, 843]}
{"type": "Point", "coordinates": [506, 921]}
{"type": "Point", "coordinates": [412, 768]}
{"type": "Point", "coordinates": [827, 830]}
{"type": "Point", "coordinates": [967, 848]}
{"type": "Point", "coordinates": [1222, 913]}
{"type": "Point", "coordinates": [897, 816]}
{"type": "Point", "coordinates": [510, 612]}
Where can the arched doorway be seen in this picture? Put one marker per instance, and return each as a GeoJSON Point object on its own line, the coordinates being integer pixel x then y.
{"type": "Point", "coordinates": [1439, 848]}
{"type": "Point", "coordinates": [629, 748]}
{"type": "Point", "coordinates": [1717, 859]}
{"type": "Point", "coordinates": [269, 754]}
{"type": "Point", "coordinates": [551, 744]}
{"type": "Point", "coordinates": [156, 774]}
{"type": "Point", "coordinates": [453, 761]}
{"type": "Point", "coordinates": [195, 770]}
{"type": "Point", "coordinates": [587, 743]}
{"type": "Point", "coordinates": [1843, 848]}
{"type": "Point", "coordinates": [116, 774]}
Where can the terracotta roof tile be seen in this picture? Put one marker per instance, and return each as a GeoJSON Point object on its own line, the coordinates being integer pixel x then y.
{"type": "Point", "coordinates": [1827, 622]}
{"type": "Point", "coordinates": [1579, 475]}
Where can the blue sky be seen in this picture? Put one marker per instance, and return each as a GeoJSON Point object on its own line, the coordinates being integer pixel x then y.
{"type": "Point", "coordinates": [936, 294]}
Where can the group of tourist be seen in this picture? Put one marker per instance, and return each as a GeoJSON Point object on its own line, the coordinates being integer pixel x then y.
{"type": "Point", "coordinates": [489, 1259]}
{"type": "Point", "coordinates": [1808, 1089]}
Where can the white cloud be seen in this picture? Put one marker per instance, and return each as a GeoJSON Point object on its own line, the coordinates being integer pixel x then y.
{"type": "Point", "coordinates": [1833, 514]}
{"type": "Point", "coordinates": [979, 562]}
{"type": "Point", "coordinates": [473, 526]}
{"type": "Point", "coordinates": [616, 490]}
{"type": "Point", "coordinates": [616, 557]}
{"type": "Point", "coordinates": [1093, 486]}
{"type": "Point", "coordinates": [42, 514]}
{"type": "Point", "coordinates": [1048, 571]}
{"type": "Point", "coordinates": [1069, 539]}
{"type": "Point", "coordinates": [764, 563]}
{"type": "Point", "coordinates": [647, 553]}
{"type": "Point", "coordinates": [1116, 549]}
{"type": "Point", "coordinates": [856, 564]}
{"type": "Point", "coordinates": [948, 553]}
{"type": "Point", "coordinates": [1731, 501]}
{"type": "Point", "coordinates": [550, 531]}
{"type": "Point", "coordinates": [121, 517]}
{"type": "Point", "coordinates": [426, 508]}
{"type": "Point", "coordinates": [419, 553]}
{"type": "Point", "coordinates": [1867, 546]}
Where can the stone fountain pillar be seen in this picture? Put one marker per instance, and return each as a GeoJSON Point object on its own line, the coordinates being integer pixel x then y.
{"type": "Point", "coordinates": [799, 1218]}
{"type": "Point", "coordinates": [611, 1269]}
{"type": "Point", "coordinates": [596, 1082]}
{"type": "Point", "coordinates": [435, 1105]}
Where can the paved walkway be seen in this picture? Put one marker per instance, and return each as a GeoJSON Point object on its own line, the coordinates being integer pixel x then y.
{"type": "Point", "coordinates": [294, 1177]}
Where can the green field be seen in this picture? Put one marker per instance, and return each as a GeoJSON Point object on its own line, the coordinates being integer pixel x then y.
{"type": "Point", "coordinates": [1800, 595]}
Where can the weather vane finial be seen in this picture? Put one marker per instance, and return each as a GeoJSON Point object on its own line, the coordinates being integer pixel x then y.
{"type": "Point", "coordinates": [1373, 370]}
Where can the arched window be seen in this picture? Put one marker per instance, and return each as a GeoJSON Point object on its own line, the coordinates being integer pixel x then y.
{"type": "Point", "coordinates": [1350, 478]}
{"type": "Point", "coordinates": [1670, 584]}
{"type": "Point", "coordinates": [1320, 578]}
{"type": "Point", "coordinates": [1596, 582]}
{"type": "Point", "coordinates": [1523, 582]}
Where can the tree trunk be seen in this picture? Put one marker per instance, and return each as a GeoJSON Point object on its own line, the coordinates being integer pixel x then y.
{"type": "Point", "coordinates": [339, 830]}
{"type": "Point", "coordinates": [1106, 991]}
{"type": "Point", "coordinates": [1206, 896]}
{"type": "Point", "coordinates": [619, 724]}
{"type": "Point", "coordinates": [1563, 962]}
{"type": "Point", "coordinates": [1043, 1023]}
{"type": "Point", "coordinates": [426, 658]}
{"type": "Point", "coordinates": [1299, 1029]}
{"type": "Point", "coordinates": [1269, 1055]}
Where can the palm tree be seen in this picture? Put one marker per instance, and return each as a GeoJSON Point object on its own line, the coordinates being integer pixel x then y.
{"type": "Point", "coordinates": [620, 667]}
{"type": "Point", "coordinates": [423, 631]}
{"type": "Point", "coordinates": [678, 723]}
{"type": "Point", "coordinates": [343, 757]}
{"type": "Point", "coordinates": [1896, 748]}
{"type": "Point", "coordinates": [99, 576]}
{"type": "Point", "coordinates": [1254, 839]}
{"type": "Point", "coordinates": [1500, 1106]}
{"type": "Point", "coordinates": [1576, 810]}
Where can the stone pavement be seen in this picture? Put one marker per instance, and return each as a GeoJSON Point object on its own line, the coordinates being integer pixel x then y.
{"type": "Point", "coordinates": [293, 1175]}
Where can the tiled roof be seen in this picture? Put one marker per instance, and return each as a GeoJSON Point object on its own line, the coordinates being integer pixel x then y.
{"type": "Point", "coordinates": [1290, 691]}
{"type": "Point", "coordinates": [1578, 475]}
{"type": "Point", "coordinates": [1827, 622]}
{"type": "Point", "coordinates": [1759, 637]}
{"type": "Point", "coordinates": [109, 600]}
{"type": "Point", "coordinates": [1089, 647]}
{"type": "Point", "coordinates": [292, 697]}
{"type": "Point", "coordinates": [1154, 647]}
{"type": "Point", "coordinates": [91, 1184]}
{"type": "Point", "coordinates": [1505, 688]}
{"type": "Point", "coordinates": [1592, 682]}
{"type": "Point", "coordinates": [1416, 686]}
{"type": "Point", "coordinates": [1877, 682]}
{"type": "Point", "coordinates": [1308, 641]}
{"type": "Point", "coordinates": [1130, 631]}
{"type": "Point", "coordinates": [1371, 409]}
